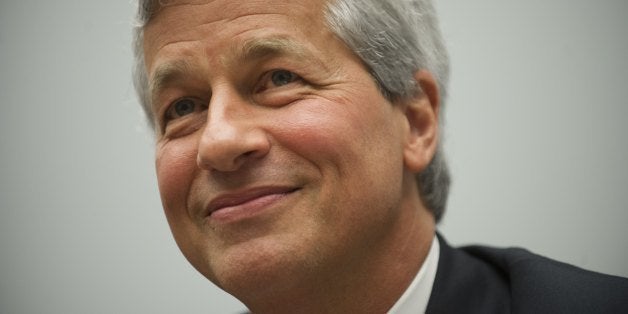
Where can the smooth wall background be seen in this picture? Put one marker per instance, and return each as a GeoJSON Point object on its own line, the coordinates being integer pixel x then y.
{"type": "Point", "coordinates": [536, 130]}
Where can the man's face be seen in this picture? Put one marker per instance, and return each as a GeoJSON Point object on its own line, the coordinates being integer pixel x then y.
{"type": "Point", "coordinates": [277, 157]}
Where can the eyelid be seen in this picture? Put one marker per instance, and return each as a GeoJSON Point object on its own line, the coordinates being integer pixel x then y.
{"type": "Point", "coordinates": [266, 78]}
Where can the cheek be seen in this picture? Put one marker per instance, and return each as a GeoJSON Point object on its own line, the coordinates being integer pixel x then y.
{"type": "Point", "coordinates": [350, 144]}
{"type": "Point", "coordinates": [175, 165]}
{"type": "Point", "coordinates": [357, 155]}
{"type": "Point", "coordinates": [316, 129]}
{"type": "Point", "coordinates": [176, 169]}
{"type": "Point", "coordinates": [338, 132]}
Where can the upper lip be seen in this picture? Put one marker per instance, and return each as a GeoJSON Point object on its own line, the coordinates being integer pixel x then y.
{"type": "Point", "coordinates": [240, 197]}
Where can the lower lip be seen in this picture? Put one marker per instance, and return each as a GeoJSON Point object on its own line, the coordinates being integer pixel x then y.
{"type": "Point", "coordinates": [247, 209]}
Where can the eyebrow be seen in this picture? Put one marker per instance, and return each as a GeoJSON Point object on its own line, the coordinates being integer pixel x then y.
{"type": "Point", "coordinates": [260, 48]}
{"type": "Point", "coordinates": [167, 73]}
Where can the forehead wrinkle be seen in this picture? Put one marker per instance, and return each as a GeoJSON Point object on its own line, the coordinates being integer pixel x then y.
{"type": "Point", "coordinates": [265, 47]}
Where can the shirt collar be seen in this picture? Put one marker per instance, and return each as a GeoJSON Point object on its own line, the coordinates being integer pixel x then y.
{"type": "Point", "coordinates": [417, 295]}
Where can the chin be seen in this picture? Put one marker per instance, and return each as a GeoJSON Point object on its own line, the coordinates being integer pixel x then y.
{"type": "Point", "coordinates": [268, 265]}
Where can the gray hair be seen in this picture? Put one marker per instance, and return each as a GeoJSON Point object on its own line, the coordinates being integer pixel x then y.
{"type": "Point", "coordinates": [393, 38]}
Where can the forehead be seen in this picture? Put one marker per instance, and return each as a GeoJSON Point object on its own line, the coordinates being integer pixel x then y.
{"type": "Point", "coordinates": [211, 22]}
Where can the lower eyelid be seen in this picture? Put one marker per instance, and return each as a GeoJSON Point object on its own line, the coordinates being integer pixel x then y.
{"type": "Point", "coordinates": [192, 120]}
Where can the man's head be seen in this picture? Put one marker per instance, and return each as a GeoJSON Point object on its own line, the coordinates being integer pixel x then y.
{"type": "Point", "coordinates": [289, 134]}
{"type": "Point", "coordinates": [393, 38]}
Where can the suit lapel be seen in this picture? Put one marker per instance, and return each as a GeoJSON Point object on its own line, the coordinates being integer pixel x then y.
{"type": "Point", "coordinates": [465, 284]}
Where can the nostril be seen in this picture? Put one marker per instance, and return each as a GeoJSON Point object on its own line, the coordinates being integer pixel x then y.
{"type": "Point", "coordinates": [248, 154]}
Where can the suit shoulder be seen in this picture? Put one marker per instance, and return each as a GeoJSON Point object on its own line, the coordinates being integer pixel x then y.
{"type": "Point", "coordinates": [539, 284]}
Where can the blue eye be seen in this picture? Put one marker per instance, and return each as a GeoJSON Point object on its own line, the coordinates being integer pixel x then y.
{"type": "Point", "coordinates": [283, 77]}
{"type": "Point", "coordinates": [181, 108]}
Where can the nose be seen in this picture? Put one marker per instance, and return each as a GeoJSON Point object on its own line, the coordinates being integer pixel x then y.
{"type": "Point", "coordinates": [232, 136]}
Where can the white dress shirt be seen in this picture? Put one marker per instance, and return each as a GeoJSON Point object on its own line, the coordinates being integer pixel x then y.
{"type": "Point", "coordinates": [417, 295]}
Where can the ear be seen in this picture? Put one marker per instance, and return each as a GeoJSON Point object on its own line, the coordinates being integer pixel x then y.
{"type": "Point", "coordinates": [422, 113]}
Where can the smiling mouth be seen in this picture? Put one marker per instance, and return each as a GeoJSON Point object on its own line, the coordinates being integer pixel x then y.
{"type": "Point", "coordinates": [239, 205]}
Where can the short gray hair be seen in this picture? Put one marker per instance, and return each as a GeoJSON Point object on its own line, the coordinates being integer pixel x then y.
{"type": "Point", "coordinates": [394, 38]}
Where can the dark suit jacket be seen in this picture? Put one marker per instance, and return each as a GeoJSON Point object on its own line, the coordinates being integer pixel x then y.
{"type": "Point", "coordinates": [477, 279]}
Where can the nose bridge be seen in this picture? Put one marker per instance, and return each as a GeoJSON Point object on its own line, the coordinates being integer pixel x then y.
{"type": "Point", "coordinates": [232, 135]}
{"type": "Point", "coordinates": [222, 117]}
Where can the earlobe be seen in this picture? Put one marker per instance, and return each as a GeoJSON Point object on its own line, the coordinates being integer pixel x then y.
{"type": "Point", "coordinates": [422, 113]}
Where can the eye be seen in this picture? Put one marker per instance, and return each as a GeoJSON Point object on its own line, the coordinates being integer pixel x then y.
{"type": "Point", "coordinates": [276, 79]}
{"type": "Point", "coordinates": [283, 77]}
{"type": "Point", "coordinates": [180, 108]}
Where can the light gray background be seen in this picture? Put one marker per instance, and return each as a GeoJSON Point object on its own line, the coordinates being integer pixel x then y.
{"type": "Point", "coordinates": [536, 136]}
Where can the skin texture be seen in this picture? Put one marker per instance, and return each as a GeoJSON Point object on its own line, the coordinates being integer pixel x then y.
{"type": "Point", "coordinates": [312, 175]}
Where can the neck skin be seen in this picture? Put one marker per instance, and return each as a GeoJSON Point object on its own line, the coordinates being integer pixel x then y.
{"type": "Point", "coordinates": [369, 283]}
